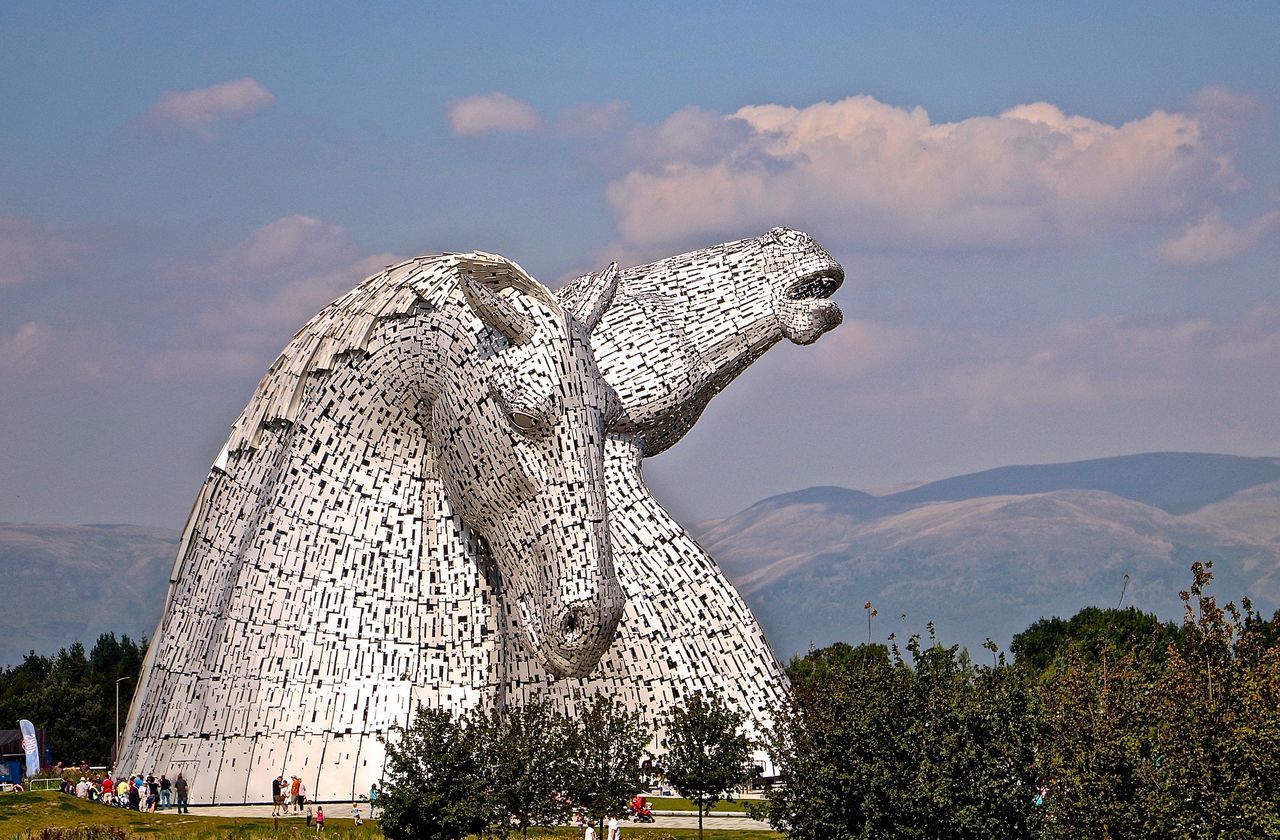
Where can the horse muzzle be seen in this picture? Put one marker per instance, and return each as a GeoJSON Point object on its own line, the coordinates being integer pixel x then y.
{"type": "Point", "coordinates": [570, 641]}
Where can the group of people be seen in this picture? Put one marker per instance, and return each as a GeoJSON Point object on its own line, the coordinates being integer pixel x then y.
{"type": "Point", "coordinates": [612, 830]}
{"type": "Point", "coordinates": [151, 793]}
{"type": "Point", "coordinates": [137, 792]}
{"type": "Point", "coordinates": [289, 798]}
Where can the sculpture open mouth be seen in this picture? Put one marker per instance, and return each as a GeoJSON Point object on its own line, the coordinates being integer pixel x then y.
{"type": "Point", "coordinates": [816, 286]}
{"type": "Point", "coordinates": [804, 313]}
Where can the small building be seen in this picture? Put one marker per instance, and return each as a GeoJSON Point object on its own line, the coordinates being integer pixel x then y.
{"type": "Point", "coordinates": [12, 757]}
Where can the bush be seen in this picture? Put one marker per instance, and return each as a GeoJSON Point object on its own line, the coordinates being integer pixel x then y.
{"type": "Point", "coordinates": [873, 744]}
{"type": "Point", "coordinates": [1131, 729]}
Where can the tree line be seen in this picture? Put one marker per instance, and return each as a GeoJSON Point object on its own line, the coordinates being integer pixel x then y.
{"type": "Point", "coordinates": [71, 696]}
{"type": "Point", "coordinates": [1108, 724]}
{"type": "Point", "coordinates": [1111, 724]}
{"type": "Point", "coordinates": [494, 772]}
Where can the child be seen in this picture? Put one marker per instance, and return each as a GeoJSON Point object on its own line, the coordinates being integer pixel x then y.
{"type": "Point", "coordinates": [355, 814]}
{"type": "Point", "coordinates": [319, 819]}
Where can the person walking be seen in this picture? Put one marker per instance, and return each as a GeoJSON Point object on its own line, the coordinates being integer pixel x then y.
{"type": "Point", "coordinates": [615, 833]}
{"type": "Point", "coordinates": [293, 794]}
{"type": "Point", "coordinates": [181, 788]}
{"type": "Point", "coordinates": [319, 819]}
{"type": "Point", "coordinates": [165, 785]}
{"type": "Point", "coordinates": [302, 794]}
{"type": "Point", "coordinates": [277, 798]}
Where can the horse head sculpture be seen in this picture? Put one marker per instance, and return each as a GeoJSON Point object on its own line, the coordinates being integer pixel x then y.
{"type": "Point", "coordinates": [414, 509]}
{"type": "Point", "coordinates": [518, 425]}
{"type": "Point", "coordinates": [704, 317]}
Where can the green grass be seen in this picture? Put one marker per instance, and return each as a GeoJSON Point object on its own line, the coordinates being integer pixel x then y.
{"type": "Point", "coordinates": [22, 813]}
{"type": "Point", "coordinates": [25, 813]}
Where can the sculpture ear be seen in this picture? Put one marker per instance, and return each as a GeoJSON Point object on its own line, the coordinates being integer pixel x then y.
{"type": "Point", "coordinates": [588, 297]}
{"type": "Point", "coordinates": [496, 311]}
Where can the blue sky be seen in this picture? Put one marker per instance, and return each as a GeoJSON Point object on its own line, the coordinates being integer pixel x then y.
{"type": "Point", "coordinates": [1059, 221]}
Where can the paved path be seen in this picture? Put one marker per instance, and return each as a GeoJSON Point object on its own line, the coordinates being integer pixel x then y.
{"type": "Point", "coordinates": [662, 819]}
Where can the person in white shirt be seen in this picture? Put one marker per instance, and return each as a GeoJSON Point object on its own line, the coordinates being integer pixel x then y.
{"type": "Point", "coordinates": [590, 833]}
{"type": "Point", "coordinates": [615, 833]}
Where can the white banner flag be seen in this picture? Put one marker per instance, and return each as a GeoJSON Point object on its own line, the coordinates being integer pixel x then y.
{"type": "Point", "coordinates": [30, 747]}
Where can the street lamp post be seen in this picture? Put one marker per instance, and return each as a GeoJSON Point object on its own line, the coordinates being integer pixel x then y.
{"type": "Point", "coordinates": [116, 757]}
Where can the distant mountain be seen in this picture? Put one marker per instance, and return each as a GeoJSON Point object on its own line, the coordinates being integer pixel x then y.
{"type": "Point", "coordinates": [64, 583]}
{"type": "Point", "coordinates": [1175, 482]}
{"type": "Point", "coordinates": [987, 554]}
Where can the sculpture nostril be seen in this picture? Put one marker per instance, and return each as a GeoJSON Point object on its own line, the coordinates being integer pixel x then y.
{"type": "Point", "coordinates": [576, 625]}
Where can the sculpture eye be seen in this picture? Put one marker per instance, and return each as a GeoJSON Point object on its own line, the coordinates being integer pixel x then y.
{"type": "Point", "coordinates": [525, 423]}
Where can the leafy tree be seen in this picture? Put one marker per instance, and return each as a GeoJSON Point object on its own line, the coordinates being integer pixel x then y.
{"type": "Point", "coordinates": [1091, 632]}
{"type": "Point", "coordinates": [1179, 743]}
{"type": "Point", "coordinates": [527, 755]}
{"type": "Point", "coordinates": [973, 737]}
{"type": "Point", "coordinates": [840, 657]}
{"type": "Point", "coordinates": [872, 744]}
{"type": "Point", "coordinates": [435, 786]}
{"type": "Point", "coordinates": [707, 755]}
{"type": "Point", "coordinates": [831, 741]}
{"type": "Point", "coordinates": [1098, 756]}
{"type": "Point", "coordinates": [1219, 703]}
{"type": "Point", "coordinates": [1262, 632]}
{"type": "Point", "coordinates": [607, 746]}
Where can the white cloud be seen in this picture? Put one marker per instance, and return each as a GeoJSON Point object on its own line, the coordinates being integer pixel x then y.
{"type": "Point", "coordinates": [689, 136]}
{"type": "Point", "coordinates": [1210, 239]}
{"type": "Point", "coordinates": [24, 346]}
{"type": "Point", "coordinates": [292, 244]}
{"type": "Point", "coordinates": [283, 307]}
{"type": "Point", "coordinates": [201, 112]}
{"type": "Point", "coordinates": [865, 172]}
{"type": "Point", "coordinates": [491, 112]}
{"type": "Point", "coordinates": [224, 313]}
{"type": "Point", "coordinates": [261, 289]}
{"type": "Point", "coordinates": [999, 386]}
{"type": "Point", "coordinates": [281, 274]}
{"type": "Point", "coordinates": [29, 249]}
